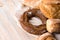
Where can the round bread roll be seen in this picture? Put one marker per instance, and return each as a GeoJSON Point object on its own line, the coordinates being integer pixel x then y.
{"type": "Point", "coordinates": [32, 3]}
{"type": "Point", "coordinates": [50, 1]}
{"type": "Point", "coordinates": [46, 36]}
{"type": "Point", "coordinates": [30, 28]}
{"type": "Point", "coordinates": [53, 25]}
{"type": "Point", "coordinates": [50, 8]}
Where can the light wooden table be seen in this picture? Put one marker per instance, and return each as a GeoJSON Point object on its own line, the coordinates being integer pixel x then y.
{"type": "Point", "coordinates": [9, 26]}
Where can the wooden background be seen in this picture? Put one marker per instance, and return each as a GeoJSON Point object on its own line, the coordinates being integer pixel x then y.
{"type": "Point", "coordinates": [10, 29]}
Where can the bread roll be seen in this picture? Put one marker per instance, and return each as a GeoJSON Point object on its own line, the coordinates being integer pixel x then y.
{"type": "Point", "coordinates": [46, 36]}
{"type": "Point", "coordinates": [53, 25]}
{"type": "Point", "coordinates": [51, 9]}
{"type": "Point", "coordinates": [50, 1]}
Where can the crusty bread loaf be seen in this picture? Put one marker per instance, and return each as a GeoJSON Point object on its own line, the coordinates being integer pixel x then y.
{"type": "Point", "coordinates": [50, 1]}
{"type": "Point", "coordinates": [50, 10]}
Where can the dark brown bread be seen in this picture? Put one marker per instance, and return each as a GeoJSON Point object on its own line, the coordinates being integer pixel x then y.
{"type": "Point", "coordinates": [37, 30]}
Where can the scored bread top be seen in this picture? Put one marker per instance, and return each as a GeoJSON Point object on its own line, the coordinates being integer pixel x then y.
{"type": "Point", "coordinates": [50, 1]}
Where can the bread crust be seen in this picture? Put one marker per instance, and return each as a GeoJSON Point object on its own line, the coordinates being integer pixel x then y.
{"type": "Point", "coordinates": [46, 36]}
{"type": "Point", "coordinates": [50, 10]}
{"type": "Point", "coordinates": [53, 25]}
{"type": "Point", "coordinates": [37, 30]}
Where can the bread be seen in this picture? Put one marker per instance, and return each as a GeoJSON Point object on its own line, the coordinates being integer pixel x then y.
{"type": "Point", "coordinates": [46, 36]}
{"type": "Point", "coordinates": [50, 1]}
{"type": "Point", "coordinates": [50, 10]}
{"type": "Point", "coordinates": [53, 25]}
{"type": "Point", "coordinates": [30, 28]}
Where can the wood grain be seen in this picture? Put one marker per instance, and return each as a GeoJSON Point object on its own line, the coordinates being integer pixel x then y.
{"type": "Point", "coordinates": [9, 27]}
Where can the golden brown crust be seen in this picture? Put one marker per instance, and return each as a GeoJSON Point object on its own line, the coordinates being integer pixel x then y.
{"type": "Point", "coordinates": [24, 20]}
{"type": "Point", "coordinates": [50, 38]}
{"type": "Point", "coordinates": [50, 10]}
{"type": "Point", "coordinates": [46, 36]}
{"type": "Point", "coordinates": [53, 25]}
{"type": "Point", "coordinates": [50, 1]}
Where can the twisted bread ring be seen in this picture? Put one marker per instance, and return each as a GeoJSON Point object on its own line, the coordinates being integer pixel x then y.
{"type": "Point", "coordinates": [37, 30]}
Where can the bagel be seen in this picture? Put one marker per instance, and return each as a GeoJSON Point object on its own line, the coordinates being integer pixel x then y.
{"type": "Point", "coordinates": [24, 21]}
